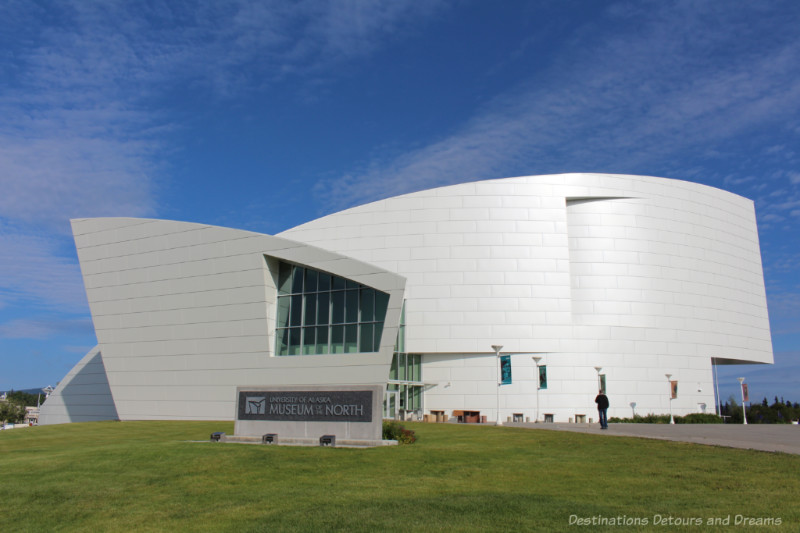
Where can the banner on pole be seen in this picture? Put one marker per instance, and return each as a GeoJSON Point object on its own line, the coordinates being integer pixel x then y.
{"type": "Point", "coordinates": [745, 393]}
{"type": "Point", "coordinates": [505, 370]}
{"type": "Point", "coordinates": [673, 388]}
{"type": "Point", "coordinates": [543, 377]}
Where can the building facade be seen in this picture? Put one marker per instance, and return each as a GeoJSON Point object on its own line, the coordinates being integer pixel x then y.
{"type": "Point", "coordinates": [584, 281]}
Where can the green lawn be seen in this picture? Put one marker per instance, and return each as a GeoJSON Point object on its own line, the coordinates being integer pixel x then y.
{"type": "Point", "coordinates": [149, 476]}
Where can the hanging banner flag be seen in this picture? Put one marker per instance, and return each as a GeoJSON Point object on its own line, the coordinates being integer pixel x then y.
{"type": "Point", "coordinates": [745, 393]}
{"type": "Point", "coordinates": [543, 377]}
{"type": "Point", "coordinates": [674, 388]}
{"type": "Point", "coordinates": [505, 370]}
{"type": "Point", "coordinates": [603, 383]}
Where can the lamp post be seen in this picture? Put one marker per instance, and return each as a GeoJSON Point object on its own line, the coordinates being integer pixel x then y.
{"type": "Point", "coordinates": [741, 389]}
{"type": "Point", "coordinates": [669, 382]}
{"type": "Point", "coordinates": [538, 385]}
{"type": "Point", "coordinates": [497, 348]}
{"type": "Point", "coordinates": [599, 383]}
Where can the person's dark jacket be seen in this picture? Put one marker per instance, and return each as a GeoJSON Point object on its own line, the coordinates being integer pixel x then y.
{"type": "Point", "coordinates": [601, 401]}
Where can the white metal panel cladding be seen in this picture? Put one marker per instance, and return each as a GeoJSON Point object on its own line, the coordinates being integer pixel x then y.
{"type": "Point", "coordinates": [185, 312]}
{"type": "Point", "coordinates": [634, 276]}
{"type": "Point", "coordinates": [638, 275]}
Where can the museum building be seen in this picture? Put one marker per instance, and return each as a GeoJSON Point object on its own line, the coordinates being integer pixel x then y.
{"type": "Point", "coordinates": [512, 298]}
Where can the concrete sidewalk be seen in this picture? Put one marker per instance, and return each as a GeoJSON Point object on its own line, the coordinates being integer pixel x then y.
{"type": "Point", "coordinates": [765, 437]}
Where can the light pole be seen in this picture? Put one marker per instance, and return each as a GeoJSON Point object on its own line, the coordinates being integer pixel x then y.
{"type": "Point", "coordinates": [669, 382]}
{"type": "Point", "coordinates": [538, 385]}
{"type": "Point", "coordinates": [716, 385]}
{"type": "Point", "coordinates": [599, 383]}
{"type": "Point", "coordinates": [497, 348]}
{"type": "Point", "coordinates": [741, 389]}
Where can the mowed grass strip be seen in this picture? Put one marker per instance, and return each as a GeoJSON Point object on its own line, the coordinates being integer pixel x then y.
{"type": "Point", "coordinates": [150, 476]}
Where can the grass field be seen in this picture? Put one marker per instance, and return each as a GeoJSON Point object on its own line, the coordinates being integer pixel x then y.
{"type": "Point", "coordinates": [150, 476]}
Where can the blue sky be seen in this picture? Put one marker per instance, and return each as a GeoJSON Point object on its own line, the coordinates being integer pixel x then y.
{"type": "Point", "coordinates": [264, 115]}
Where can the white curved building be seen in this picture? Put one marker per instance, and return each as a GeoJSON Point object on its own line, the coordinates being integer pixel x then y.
{"type": "Point", "coordinates": [638, 277]}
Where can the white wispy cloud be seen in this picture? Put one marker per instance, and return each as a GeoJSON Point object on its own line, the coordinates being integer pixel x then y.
{"type": "Point", "coordinates": [612, 101]}
{"type": "Point", "coordinates": [42, 329]}
{"type": "Point", "coordinates": [34, 270]}
{"type": "Point", "coordinates": [83, 133]}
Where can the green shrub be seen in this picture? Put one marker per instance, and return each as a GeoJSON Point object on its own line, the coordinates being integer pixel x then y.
{"type": "Point", "coordinates": [693, 418]}
{"type": "Point", "coordinates": [699, 418]}
{"type": "Point", "coordinates": [393, 430]}
{"type": "Point", "coordinates": [647, 419]}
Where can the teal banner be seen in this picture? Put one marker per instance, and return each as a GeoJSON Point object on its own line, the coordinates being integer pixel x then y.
{"type": "Point", "coordinates": [543, 377]}
{"type": "Point", "coordinates": [505, 369]}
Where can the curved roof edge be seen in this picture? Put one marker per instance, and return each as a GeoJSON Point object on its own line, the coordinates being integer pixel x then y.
{"type": "Point", "coordinates": [641, 185]}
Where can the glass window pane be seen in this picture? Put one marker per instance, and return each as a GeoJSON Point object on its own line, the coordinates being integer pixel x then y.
{"type": "Point", "coordinates": [308, 298]}
{"type": "Point", "coordinates": [414, 364]}
{"type": "Point", "coordinates": [351, 306]}
{"type": "Point", "coordinates": [297, 279]}
{"type": "Point", "coordinates": [283, 342]}
{"type": "Point", "coordinates": [310, 317]}
{"type": "Point", "coordinates": [309, 341]}
{"type": "Point", "coordinates": [381, 303]}
{"type": "Point", "coordinates": [337, 307]}
{"type": "Point", "coordinates": [284, 278]}
{"type": "Point", "coordinates": [324, 282]}
{"type": "Point", "coordinates": [338, 283]}
{"type": "Point", "coordinates": [365, 344]}
{"type": "Point", "coordinates": [322, 339]}
{"type": "Point", "coordinates": [401, 367]}
{"type": "Point", "coordinates": [367, 305]}
{"type": "Point", "coordinates": [393, 368]}
{"type": "Point", "coordinates": [376, 342]}
{"type": "Point", "coordinates": [351, 338]}
{"type": "Point", "coordinates": [323, 308]}
{"type": "Point", "coordinates": [311, 281]}
{"type": "Point", "coordinates": [297, 310]}
{"type": "Point", "coordinates": [284, 303]}
{"type": "Point", "coordinates": [294, 341]}
{"type": "Point", "coordinates": [337, 339]}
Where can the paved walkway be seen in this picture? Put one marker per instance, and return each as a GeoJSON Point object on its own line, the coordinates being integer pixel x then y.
{"type": "Point", "coordinates": [765, 437]}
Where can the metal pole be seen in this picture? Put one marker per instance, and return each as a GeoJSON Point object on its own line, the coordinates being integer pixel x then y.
{"type": "Point", "coordinates": [741, 390]}
{"type": "Point", "coordinates": [669, 382]}
{"type": "Point", "coordinates": [538, 385]}
{"type": "Point", "coordinates": [497, 348]}
{"type": "Point", "coordinates": [716, 385]}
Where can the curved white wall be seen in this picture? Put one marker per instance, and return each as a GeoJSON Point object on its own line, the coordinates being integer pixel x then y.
{"type": "Point", "coordinates": [641, 276]}
{"type": "Point", "coordinates": [184, 313]}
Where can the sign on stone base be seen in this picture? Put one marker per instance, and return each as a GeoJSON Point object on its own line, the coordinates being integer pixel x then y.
{"type": "Point", "coordinates": [350, 412]}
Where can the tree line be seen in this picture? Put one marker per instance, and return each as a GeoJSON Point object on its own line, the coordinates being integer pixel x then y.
{"type": "Point", "coordinates": [778, 412]}
{"type": "Point", "coordinates": [12, 410]}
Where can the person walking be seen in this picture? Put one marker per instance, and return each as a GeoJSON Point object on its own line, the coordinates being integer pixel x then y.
{"type": "Point", "coordinates": [602, 409]}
